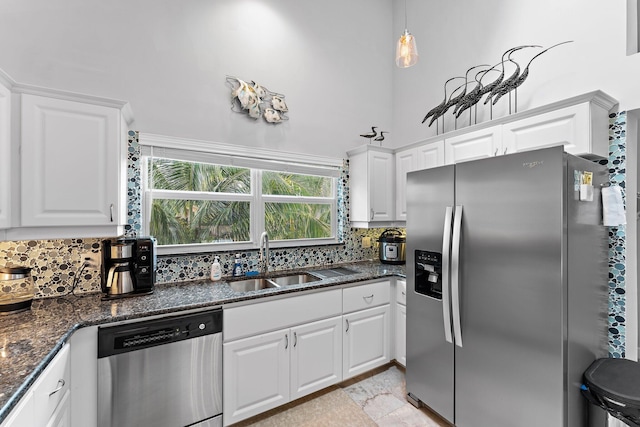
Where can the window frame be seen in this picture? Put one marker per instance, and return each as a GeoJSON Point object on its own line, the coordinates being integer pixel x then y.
{"type": "Point", "coordinates": [271, 160]}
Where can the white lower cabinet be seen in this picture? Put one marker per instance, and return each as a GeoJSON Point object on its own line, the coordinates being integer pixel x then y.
{"type": "Point", "coordinates": [401, 334]}
{"type": "Point", "coordinates": [255, 375]}
{"type": "Point", "coordinates": [22, 415]}
{"type": "Point", "coordinates": [365, 340]}
{"type": "Point", "coordinates": [316, 356]}
{"type": "Point", "coordinates": [47, 402]}
{"type": "Point", "coordinates": [62, 415]}
{"type": "Point", "coordinates": [269, 370]}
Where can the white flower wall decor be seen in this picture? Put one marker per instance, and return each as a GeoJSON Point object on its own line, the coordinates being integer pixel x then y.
{"type": "Point", "coordinates": [257, 101]}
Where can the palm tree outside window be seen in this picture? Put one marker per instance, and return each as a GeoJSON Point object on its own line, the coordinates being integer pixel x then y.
{"type": "Point", "coordinates": [214, 206]}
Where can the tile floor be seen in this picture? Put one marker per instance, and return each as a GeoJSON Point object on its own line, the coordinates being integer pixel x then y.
{"type": "Point", "coordinates": [375, 399]}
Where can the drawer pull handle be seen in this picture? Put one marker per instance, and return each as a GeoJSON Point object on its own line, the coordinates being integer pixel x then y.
{"type": "Point", "coordinates": [369, 298]}
{"type": "Point", "coordinates": [61, 384]}
{"type": "Point", "coordinates": [295, 339]}
{"type": "Point", "coordinates": [286, 345]}
{"type": "Point", "coordinates": [111, 211]}
{"type": "Point", "coordinates": [404, 294]}
{"type": "Point", "coordinates": [347, 320]}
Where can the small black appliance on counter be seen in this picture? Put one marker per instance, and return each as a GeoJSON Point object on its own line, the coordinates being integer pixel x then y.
{"type": "Point", "coordinates": [128, 266]}
{"type": "Point", "coordinates": [391, 247]}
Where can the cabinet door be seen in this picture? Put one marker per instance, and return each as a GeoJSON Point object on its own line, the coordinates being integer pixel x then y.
{"type": "Point", "coordinates": [381, 185]}
{"type": "Point", "coordinates": [365, 340]}
{"type": "Point", "coordinates": [568, 127]}
{"type": "Point", "coordinates": [23, 414]}
{"type": "Point", "coordinates": [71, 163]}
{"type": "Point", "coordinates": [255, 375]}
{"type": "Point", "coordinates": [52, 386]}
{"type": "Point", "coordinates": [406, 161]}
{"type": "Point", "coordinates": [430, 155]}
{"type": "Point", "coordinates": [5, 157]}
{"type": "Point", "coordinates": [62, 415]}
{"type": "Point", "coordinates": [474, 145]}
{"type": "Point", "coordinates": [316, 356]}
{"type": "Point", "coordinates": [401, 334]}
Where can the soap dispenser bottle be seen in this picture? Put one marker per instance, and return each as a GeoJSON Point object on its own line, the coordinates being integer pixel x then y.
{"type": "Point", "coordinates": [216, 270]}
{"type": "Point", "coordinates": [237, 267]}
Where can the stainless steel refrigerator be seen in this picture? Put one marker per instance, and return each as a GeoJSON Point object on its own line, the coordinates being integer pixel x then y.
{"type": "Point", "coordinates": [507, 288]}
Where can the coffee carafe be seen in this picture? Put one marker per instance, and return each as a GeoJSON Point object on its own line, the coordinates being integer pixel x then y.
{"type": "Point", "coordinates": [119, 269]}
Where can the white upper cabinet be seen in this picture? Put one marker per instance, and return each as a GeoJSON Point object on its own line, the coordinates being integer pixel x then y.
{"type": "Point", "coordinates": [371, 192]}
{"type": "Point", "coordinates": [579, 124]}
{"type": "Point", "coordinates": [63, 163]}
{"type": "Point", "coordinates": [474, 145]}
{"type": "Point", "coordinates": [5, 156]}
{"type": "Point", "coordinates": [72, 167]}
{"type": "Point", "coordinates": [582, 129]}
{"type": "Point", "coordinates": [422, 157]}
{"type": "Point", "coordinates": [71, 159]}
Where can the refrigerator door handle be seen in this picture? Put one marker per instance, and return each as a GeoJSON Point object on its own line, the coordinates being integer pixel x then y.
{"type": "Point", "coordinates": [455, 276]}
{"type": "Point", "coordinates": [446, 249]}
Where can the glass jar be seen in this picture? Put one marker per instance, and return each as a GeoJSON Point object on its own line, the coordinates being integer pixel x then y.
{"type": "Point", "coordinates": [16, 289]}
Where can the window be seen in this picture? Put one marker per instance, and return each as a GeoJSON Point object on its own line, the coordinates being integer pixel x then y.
{"type": "Point", "coordinates": [204, 201]}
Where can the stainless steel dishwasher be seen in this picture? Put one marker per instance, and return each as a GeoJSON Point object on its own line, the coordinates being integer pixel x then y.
{"type": "Point", "coordinates": [161, 373]}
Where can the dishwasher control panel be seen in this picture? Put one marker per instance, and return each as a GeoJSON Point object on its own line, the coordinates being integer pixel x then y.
{"type": "Point", "coordinates": [144, 334]}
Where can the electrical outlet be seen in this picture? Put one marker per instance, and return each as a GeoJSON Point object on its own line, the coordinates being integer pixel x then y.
{"type": "Point", "coordinates": [366, 242]}
{"type": "Point", "coordinates": [93, 260]}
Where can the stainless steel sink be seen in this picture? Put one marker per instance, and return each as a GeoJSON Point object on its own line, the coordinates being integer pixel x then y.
{"type": "Point", "coordinates": [294, 279]}
{"type": "Point", "coordinates": [257, 284]}
{"type": "Point", "coordinates": [247, 285]}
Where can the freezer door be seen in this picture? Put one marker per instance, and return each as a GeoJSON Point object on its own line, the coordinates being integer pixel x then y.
{"type": "Point", "coordinates": [509, 370]}
{"type": "Point", "coordinates": [429, 356]}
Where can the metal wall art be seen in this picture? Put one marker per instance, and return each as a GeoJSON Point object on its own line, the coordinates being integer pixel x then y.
{"type": "Point", "coordinates": [256, 100]}
{"type": "Point", "coordinates": [374, 135]}
{"type": "Point", "coordinates": [463, 100]}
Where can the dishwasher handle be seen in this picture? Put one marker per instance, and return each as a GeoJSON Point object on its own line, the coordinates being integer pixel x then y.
{"type": "Point", "coordinates": [144, 334]}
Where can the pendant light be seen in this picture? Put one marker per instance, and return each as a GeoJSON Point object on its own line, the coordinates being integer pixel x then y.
{"type": "Point", "coordinates": [406, 50]}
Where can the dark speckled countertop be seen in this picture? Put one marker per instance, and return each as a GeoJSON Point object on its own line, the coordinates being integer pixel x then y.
{"type": "Point", "coordinates": [29, 340]}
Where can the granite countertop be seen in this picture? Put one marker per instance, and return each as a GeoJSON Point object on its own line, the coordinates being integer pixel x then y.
{"type": "Point", "coordinates": [29, 340]}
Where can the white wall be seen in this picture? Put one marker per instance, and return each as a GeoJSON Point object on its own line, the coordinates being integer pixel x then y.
{"type": "Point", "coordinates": [455, 35]}
{"type": "Point", "coordinates": [333, 60]}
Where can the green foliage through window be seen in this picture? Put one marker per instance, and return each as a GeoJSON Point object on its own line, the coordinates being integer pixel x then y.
{"type": "Point", "coordinates": [206, 203]}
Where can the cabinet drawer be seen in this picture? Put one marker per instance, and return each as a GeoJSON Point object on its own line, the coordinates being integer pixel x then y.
{"type": "Point", "coordinates": [268, 316]}
{"type": "Point", "coordinates": [52, 386]}
{"type": "Point", "coordinates": [366, 296]}
{"type": "Point", "coordinates": [401, 291]}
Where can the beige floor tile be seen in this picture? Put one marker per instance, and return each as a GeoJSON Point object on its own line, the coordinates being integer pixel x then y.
{"type": "Point", "coordinates": [408, 416]}
{"type": "Point", "coordinates": [333, 409]}
{"type": "Point", "coordinates": [372, 400]}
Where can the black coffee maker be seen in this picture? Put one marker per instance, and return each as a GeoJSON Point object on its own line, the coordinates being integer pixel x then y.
{"type": "Point", "coordinates": [128, 266]}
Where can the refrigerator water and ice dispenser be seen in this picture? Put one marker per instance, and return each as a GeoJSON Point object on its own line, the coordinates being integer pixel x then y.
{"type": "Point", "coordinates": [429, 274]}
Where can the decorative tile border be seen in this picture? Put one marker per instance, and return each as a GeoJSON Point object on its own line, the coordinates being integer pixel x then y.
{"type": "Point", "coordinates": [617, 239]}
{"type": "Point", "coordinates": [134, 197]}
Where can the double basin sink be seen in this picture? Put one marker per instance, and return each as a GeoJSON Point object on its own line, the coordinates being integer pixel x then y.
{"type": "Point", "coordinates": [255, 284]}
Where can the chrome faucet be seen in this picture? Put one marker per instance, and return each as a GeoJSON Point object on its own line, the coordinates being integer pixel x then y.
{"type": "Point", "coordinates": [264, 252]}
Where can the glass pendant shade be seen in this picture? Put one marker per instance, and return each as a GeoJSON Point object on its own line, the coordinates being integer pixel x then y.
{"type": "Point", "coordinates": [406, 50]}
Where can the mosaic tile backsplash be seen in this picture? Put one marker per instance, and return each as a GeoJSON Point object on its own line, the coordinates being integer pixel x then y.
{"type": "Point", "coordinates": [617, 235]}
{"type": "Point", "coordinates": [62, 266]}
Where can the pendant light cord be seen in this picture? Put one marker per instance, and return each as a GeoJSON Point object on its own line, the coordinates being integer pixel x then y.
{"type": "Point", "coordinates": [405, 14]}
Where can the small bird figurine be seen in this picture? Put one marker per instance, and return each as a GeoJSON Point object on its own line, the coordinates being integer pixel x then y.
{"type": "Point", "coordinates": [380, 137]}
{"type": "Point", "coordinates": [371, 134]}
